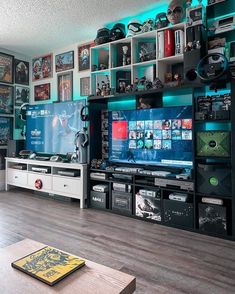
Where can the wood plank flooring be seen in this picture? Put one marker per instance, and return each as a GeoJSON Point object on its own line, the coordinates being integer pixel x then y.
{"type": "Point", "coordinates": [164, 260]}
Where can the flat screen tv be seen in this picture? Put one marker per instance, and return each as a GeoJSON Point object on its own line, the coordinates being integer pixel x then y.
{"type": "Point", "coordinates": [160, 136]}
{"type": "Point", "coordinates": [51, 128]}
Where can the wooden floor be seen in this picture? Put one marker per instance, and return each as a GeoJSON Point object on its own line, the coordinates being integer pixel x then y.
{"type": "Point", "coordinates": [164, 260]}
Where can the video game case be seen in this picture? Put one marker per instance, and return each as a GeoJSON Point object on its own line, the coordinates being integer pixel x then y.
{"type": "Point", "coordinates": [204, 104]}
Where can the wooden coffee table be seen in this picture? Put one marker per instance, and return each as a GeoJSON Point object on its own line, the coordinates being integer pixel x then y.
{"type": "Point", "coordinates": [92, 278]}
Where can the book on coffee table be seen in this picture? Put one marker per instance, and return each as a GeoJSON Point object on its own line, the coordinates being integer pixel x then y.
{"type": "Point", "coordinates": [48, 264]}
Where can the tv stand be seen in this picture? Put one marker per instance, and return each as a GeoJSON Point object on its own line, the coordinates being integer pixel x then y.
{"type": "Point", "coordinates": [65, 179]}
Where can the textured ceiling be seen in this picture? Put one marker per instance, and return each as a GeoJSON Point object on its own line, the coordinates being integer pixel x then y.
{"type": "Point", "coordinates": [35, 27]}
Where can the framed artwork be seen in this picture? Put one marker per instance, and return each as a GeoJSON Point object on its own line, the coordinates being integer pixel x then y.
{"type": "Point", "coordinates": [64, 61]}
{"type": "Point", "coordinates": [19, 123]}
{"type": "Point", "coordinates": [42, 92]}
{"type": "Point", "coordinates": [84, 57]}
{"type": "Point", "coordinates": [85, 86]}
{"type": "Point", "coordinates": [6, 130]}
{"type": "Point", "coordinates": [42, 67]}
{"type": "Point", "coordinates": [6, 99]}
{"type": "Point", "coordinates": [21, 72]}
{"type": "Point", "coordinates": [21, 95]}
{"type": "Point", "coordinates": [6, 68]}
{"type": "Point", "coordinates": [65, 86]}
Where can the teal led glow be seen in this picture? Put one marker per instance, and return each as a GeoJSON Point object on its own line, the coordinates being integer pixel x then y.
{"type": "Point", "coordinates": [128, 104]}
{"type": "Point", "coordinates": [215, 126]}
{"type": "Point", "coordinates": [181, 98]}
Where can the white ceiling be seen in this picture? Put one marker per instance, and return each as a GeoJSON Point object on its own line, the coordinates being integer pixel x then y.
{"type": "Point", "coordinates": [33, 27]}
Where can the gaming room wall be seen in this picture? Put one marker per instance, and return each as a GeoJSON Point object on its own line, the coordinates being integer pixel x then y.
{"type": "Point", "coordinates": [172, 133]}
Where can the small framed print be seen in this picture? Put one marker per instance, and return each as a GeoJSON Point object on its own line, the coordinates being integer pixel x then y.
{"type": "Point", "coordinates": [21, 95]}
{"type": "Point", "coordinates": [65, 86]}
{"type": "Point", "coordinates": [6, 99]}
{"type": "Point", "coordinates": [6, 68]}
{"type": "Point", "coordinates": [64, 61]}
{"type": "Point", "coordinates": [85, 86]}
{"type": "Point", "coordinates": [84, 57]}
{"type": "Point", "coordinates": [21, 72]}
{"type": "Point", "coordinates": [42, 67]}
{"type": "Point", "coordinates": [42, 92]}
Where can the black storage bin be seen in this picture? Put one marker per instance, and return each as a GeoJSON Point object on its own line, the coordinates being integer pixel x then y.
{"type": "Point", "coordinates": [98, 199]}
{"type": "Point", "coordinates": [178, 213]}
{"type": "Point", "coordinates": [212, 218]}
{"type": "Point", "coordinates": [122, 202]}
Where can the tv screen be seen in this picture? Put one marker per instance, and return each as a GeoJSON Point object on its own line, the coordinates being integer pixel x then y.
{"type": "Point", "coordinates": [160, 136]}
{"type": "Point", "coordinates": [51, 128]}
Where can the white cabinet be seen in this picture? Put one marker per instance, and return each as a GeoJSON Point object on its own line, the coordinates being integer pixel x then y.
{"type": "Point", "coordinates": [65, 179]}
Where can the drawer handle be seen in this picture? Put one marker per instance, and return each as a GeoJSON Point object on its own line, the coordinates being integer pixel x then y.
{"type": "Point", "coordinates": [65, 185]}
{"type": "Point", "coordinates": [16, 177]}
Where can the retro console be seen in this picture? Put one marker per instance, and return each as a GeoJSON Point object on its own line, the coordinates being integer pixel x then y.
{"type": "Point", "coordinates": [178, 197]}
{"type": "Point", "coordinates": [41, 169]}
{"type": "Point", "coordinates": [69, 173]}
{"type": "Point", "coordinates": [100, 188]}
{"type": "Point", "coordinates": [223, 24]}
{"type": "Point", "coordinates": [213, 143]}
{"type": "Point", "coordinates": [183, 185]}
{"type": "Point", "coordinates": [121, 187]}
{"type": "Point", "coordinates": [99, 176]}
{"type": "Point", "coordinates": [214, 179]}
{"type": "Point", "coordinates": [179, 42]}
{"type": "Point", "coordinates": [150, 193]}
{"type": "Point", "coordinates": [125, 169]}
{"type": "Point", "coordinates": [212, 201]}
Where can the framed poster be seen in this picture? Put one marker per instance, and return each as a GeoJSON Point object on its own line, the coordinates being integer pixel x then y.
{"type": "Point", "coordinates": [42, 67]}
{"type": "Point", "coordinates": [21, 95]}
{"type": "Point", "coordinates": [6, 68]}
{"type": "Point", "coordinates": [84, 57]}
{"type": "Point", "coordinates": [85, 86]}
{"type": "Point", "coordinates": [42, 92]}
{"type": "Point", "coordinates": [6, 99]}
{"type": "Point", "coordinates": [21, 72]}
{"type": "Point", "coordinates": [64, 61]}
{"type": "Point", "coordinates": [65, 86]}
{"type": "Point", "coordinates": [6, 130]}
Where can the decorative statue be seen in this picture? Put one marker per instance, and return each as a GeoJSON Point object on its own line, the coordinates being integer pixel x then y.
{"type": "Point", "coordinates": [175, 11]}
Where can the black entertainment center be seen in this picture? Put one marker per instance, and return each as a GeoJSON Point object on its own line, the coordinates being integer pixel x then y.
{"type": "Point", "coordinates": [138, 171]}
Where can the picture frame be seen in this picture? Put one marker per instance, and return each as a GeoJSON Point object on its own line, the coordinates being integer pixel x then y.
{"type": "Point", "coordinates": [42, 92]}
{"type": "Point", "coordinates": [64, 61]}
{"type": "Point", "coordinates": [84, 57]}
{"type": "Point", "coordinates": [21, 69]}
{"type": "Point", "coordinates": [6, 68]}
{"type": "Point", "coordinates": [42, 67]}
{"type": "Point", "coordinates": [6, 99]}
{"type": "Point", "coordinates": [6, 130]}
{"type": "Point", "coordinates": [65, 86]}
{"type": "Point", "coordinates": [85, 86]}
{"type": "Point", "coordinates": [22, 95]}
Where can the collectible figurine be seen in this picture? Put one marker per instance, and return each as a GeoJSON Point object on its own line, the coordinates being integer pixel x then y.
{"type": "Point", "coordinates": [168, 77]}
{"type": "Point", "coordinates": [175, 11]}
{"type": "Point", "coordinates": [124, 56]}
{"type": "Point", "coordinates": [157, 84]}
{"type": "Point", "coordinates": [98, 90]}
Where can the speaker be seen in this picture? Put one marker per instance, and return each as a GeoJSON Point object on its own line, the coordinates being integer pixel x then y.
{"type": "Point", "coordinates": [179, 42]}
{"type": "Point", "coordinates": [169, 43]}
{"type": "Point", "coordinates": [214, 179]}
{"type": "Point", "coordinates": [14, 147]}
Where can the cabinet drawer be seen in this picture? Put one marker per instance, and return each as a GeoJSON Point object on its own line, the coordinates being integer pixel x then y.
{"type": "Point", "coordinates": [45, 180]}
{"type": "Point", "coordinates": [68, 186]}
{"type": "Point", "coordinates": [17, 177]}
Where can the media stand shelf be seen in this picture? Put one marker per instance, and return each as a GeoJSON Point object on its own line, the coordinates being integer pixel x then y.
{"type": "Point", "coordinates": [65, 179]}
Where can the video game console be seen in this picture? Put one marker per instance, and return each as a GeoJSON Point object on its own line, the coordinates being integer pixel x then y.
{"type": "Point", "coordinates": [100, 188]}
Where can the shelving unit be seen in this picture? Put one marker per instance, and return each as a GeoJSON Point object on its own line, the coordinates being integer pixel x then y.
{"type": "Point", "coordinates": [133, 64]}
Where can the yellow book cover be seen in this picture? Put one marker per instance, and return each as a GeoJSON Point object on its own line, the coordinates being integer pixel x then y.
{"type": "Point", "coordinates": [48, 264]}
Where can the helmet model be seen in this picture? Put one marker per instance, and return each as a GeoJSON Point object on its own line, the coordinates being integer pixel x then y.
{"type": "Point", "coordinates": [134, 27]}
{"type": "Point", "coordinates": [148, 25]}
{"type": "Point", "coordinates": [161, 20]}
{"type": "Point", "coordinates": [118, 32]}
{"type": "Point", "coordinates": [102, 36]}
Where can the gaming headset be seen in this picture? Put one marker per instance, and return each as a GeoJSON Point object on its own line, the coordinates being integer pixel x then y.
{"type": "Point", "coordinates": [84, 114]}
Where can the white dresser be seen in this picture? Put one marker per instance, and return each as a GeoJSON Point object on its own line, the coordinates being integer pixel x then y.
{"type": "Point", "coordinates": [65, 179]}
